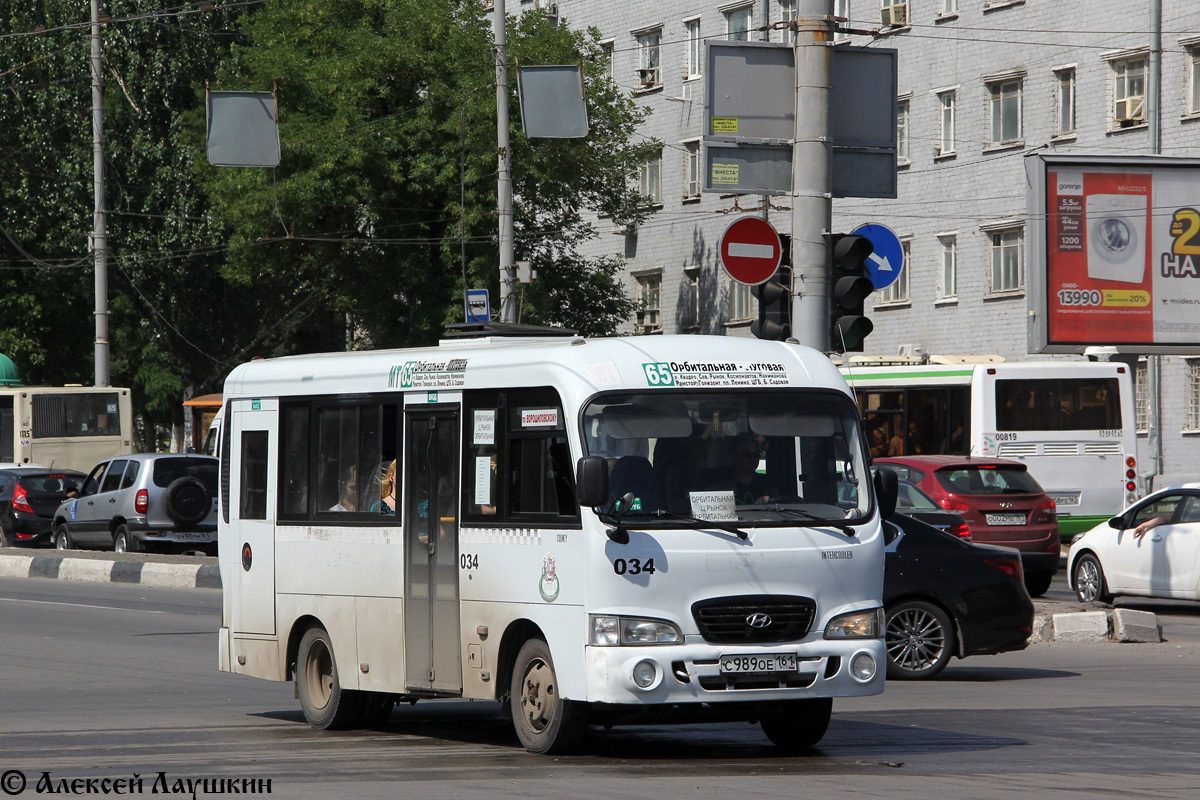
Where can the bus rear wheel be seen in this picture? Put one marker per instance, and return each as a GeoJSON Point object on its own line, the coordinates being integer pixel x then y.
{"type": "Point", "coordinates": [544, 721]}
{"type": "Point", "coordinates": [327, 706]}
{"type": "Point", "coordinates": [799, 724]}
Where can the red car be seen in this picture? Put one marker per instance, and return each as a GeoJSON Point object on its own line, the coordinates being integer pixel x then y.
{"type": "Point", "coordinates": [1000, 501]}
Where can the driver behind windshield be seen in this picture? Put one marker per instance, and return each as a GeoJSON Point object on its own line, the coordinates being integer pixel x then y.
{"type": "Point", "coordinates": [741, 475]}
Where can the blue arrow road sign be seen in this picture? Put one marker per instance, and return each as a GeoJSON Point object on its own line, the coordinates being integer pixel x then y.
{"type": "Point", "coordinates": [888, 259]}
{"type": "Point", "coordinates": [477, 305]}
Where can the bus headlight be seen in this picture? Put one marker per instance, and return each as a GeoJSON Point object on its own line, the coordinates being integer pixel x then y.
{"type": "Point", "coordinates": [609, 631]}
{"type": "Point", "coordinates": [856, 625]}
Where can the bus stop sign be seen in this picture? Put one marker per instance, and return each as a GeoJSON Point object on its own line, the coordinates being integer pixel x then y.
{"type": "Point", "coordinates": [750, 250]}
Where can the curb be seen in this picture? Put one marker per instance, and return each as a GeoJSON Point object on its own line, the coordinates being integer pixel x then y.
{"type": "Point", "coordinates": [192, 575]}
{"type": "Point", "coordinates": [1097, 624]}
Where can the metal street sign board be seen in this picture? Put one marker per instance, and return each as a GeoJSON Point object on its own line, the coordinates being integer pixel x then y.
{"type": "Point", "coordinates": [750, 250]}
{"type": "Point", "coordinates": [552, 105]}
{"type": "Point", "coordinates": [862, 105]}
{"type": "Point", "coordinates": [751, 91]}
{"type": "Point", "coordinates": [888, 259]}
{"type": "Point", "coordinates": [477, 306]}
{"type": "Point", "coordinates": [243, 129]}
{"type": "Point", "coordinates": [739, 168]}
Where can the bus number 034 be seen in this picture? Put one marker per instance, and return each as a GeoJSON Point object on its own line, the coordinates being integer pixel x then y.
{"type": "Point", "coordinates": [634, 566]}
{"type": "Point", "coordinates": [469, 561]}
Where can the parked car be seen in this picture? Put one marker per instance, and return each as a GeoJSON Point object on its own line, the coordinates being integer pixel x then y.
{"type": "Point", "coordinates": [914, 503]}
{"type": "Point", "coordinates": [944, 596]}
{"type": "Point", "coordinates": [1111, 559]}
{"type": "Point", "coordinates": [1000, 501]}
{"type": "Point", "coordinates": [29, 495]}
{"type": "Point", "coordinates": [159, 501]}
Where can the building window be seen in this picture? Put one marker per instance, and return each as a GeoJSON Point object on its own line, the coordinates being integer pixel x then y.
{"type": "Point", "coordinates": [649, 53]}
{"type": "Point", "coordinates": [898, 291]}
{"type": "Point", "coordinates": [1064, 105]}
{"type": "Point", "coordinates": [949, 246]}
{"type": "Point", "coordinates": [1193, 420]}
{"type": "Point", "coordinates": [649, 299]}
{"type": "Point", "coordinates": [691, 321]}
{"type": "Point", "coordinates": [650, 174]}
{"type": "Point", "coordinates": [789, 14]}
{"type": "Point", "coordinates": [739, 302]}
{"type": "Point", "coordinates": [695, 48]}
{"type": "Point", "coordinates": [947, 8]}
{"type": "Point", "coordinates": [946, 142]}
{"type": "Point", "coordinates": [1008, 260]}
{"type": "Point", "coordinates": [1141, 396]}
{"type": "Point", "coordinates": [1129, 92]}
{"type": "Point", "coordinates": [1194, 81]}
{"type": "Point", "coordinates": [893, 14]}
{"type": "Point", "coordinates": [902, 154]}
{"type": "Point", "coordinates": [738, 23]}
{"type": "Point", "coordinates": [1006, 112]}
{"type": "Point", "coordinates": [691, 170]}
{"type": "Point", "coordinates": [606, 52]}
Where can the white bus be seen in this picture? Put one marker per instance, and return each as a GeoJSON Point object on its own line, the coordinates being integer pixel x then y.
{"type": "Point", "coordinates": [1071, 423]}
{"type": "Point", "coordinates": [66, 427]}
{"type": "Point", "coordinates": [570, 537]}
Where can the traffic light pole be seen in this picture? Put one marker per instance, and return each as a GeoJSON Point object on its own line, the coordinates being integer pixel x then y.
{"type": "Point", "coordinates": [812, 173]}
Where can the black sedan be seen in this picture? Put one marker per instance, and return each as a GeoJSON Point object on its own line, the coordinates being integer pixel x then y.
{"type": "Point", "coordinates": [29, 497]}
{"type": "Point", "coordinates": [945, 597]}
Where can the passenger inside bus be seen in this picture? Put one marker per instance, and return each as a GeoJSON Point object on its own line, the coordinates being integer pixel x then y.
{"type": "Point", "coordinates": [678, 470]}
{"type": "Point", "coordinates": [387, 503]}
{"type": "Point", "coordinates": [347, 490]}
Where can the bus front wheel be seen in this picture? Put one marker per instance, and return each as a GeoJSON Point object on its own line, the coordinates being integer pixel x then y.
{"type": "Point", "coordinates": [799, 724]}
{"type": "Point", "coordinates": [544, 721]}
{"type": "Point", "coordinates": [327, 706]}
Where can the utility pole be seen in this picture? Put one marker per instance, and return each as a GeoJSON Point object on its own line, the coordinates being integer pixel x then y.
{"type": "Point", "coordinates": [1154, 117]}
{"type": "Point", "coordinates": [812, 173]}
{"type": "Point", "coordinates": [99, 223]}
{"type": "Point", "coordinates": [504, 194]}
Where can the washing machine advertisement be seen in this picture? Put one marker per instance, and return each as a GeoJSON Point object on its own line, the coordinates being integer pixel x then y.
{"type": "Point", "coordinates": [1123, 256]}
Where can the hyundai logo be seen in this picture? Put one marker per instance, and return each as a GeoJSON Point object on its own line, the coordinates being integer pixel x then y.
{"type": "Point", "coordinates": [759, 620]}
{"type": "Point", "coordinates": [1006, 505]}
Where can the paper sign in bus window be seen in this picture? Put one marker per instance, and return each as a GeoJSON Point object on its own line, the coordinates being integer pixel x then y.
{"type": "Point", "coordinates": [484, 430]}
{"type": "Point", "coordinates": [716, 506]}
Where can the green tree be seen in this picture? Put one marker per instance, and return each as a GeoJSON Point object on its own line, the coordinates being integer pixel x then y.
{"type": "Point", "coordinates": [387, 119]}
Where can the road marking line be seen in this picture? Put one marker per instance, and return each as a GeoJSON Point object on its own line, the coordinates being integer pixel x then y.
{"type": "Point", "coordinates": [80, 605]}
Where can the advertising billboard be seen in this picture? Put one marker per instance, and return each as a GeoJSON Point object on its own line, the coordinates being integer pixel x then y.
{"type": "Point", "coordinates": [1114, 256]}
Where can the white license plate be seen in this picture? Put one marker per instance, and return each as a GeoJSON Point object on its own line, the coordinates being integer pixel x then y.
{"type": "Point", "coordinates": [1005, 519]}
{"type": "Point", "coordinates": [777, 662]}
{"type": "Point", "coordinates": [1065, 499]}
{"type": "Point", "coordinates": [194, 537]}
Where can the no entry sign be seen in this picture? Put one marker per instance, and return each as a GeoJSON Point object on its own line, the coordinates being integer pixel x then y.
{"type": "Point", "coordinates": [750, 250]}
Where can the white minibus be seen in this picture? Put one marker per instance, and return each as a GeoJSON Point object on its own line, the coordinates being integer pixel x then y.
{"type": "Point", "coordinates": [603, 531]}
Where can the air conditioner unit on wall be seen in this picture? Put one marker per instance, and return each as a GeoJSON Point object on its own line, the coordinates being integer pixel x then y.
{"type": "Point", "coordinates": [894, 16]}
{"type": "Point", "coordinates": [648, 76]}
{"type": "Point", "coordinates": [1130, 111]}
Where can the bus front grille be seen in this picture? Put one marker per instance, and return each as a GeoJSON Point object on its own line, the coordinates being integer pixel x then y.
{"type": "Point", "coordinates": [754, 619]}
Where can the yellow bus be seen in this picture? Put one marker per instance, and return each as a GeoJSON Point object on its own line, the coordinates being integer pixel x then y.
{"type": "Point", "coordinates": [67, 427]}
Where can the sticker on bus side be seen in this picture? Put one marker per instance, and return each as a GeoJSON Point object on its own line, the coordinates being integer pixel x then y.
{"type": "Point", "coordinates": [539, 418]}
{"type": "Point", "coordinates": [428, 374]}
{"type": "Point", "coordinates": [698, 373]}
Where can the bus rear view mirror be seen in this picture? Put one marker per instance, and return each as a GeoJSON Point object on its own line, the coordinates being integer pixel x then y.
{"type": "Point", "coordinates": [887, 490]}
{"type": "Point", "coordinates": [591, 481]}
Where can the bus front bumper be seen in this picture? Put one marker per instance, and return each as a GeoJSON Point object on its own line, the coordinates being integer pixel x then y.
{"type": "Point", "coordinates": [691, 673]}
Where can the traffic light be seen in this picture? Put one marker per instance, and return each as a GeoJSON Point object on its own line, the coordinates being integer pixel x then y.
{"type": "Point", "coordinates": [775, 298]}
{"type": "Point", "coordinates": [850, 285]}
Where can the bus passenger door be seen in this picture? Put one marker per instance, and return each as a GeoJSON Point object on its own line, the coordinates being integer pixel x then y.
{"type": "Point", "coordinates": [431, 623]}
{"type": "Point", "coordinates": [252, 514]}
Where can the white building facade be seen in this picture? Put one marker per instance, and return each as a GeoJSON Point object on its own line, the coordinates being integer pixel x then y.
{"type": "Point", "coordinates": [982, 83]}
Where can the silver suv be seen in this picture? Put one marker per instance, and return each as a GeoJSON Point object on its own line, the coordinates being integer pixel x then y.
{"type": "Point", "coordinates": [164, 502]}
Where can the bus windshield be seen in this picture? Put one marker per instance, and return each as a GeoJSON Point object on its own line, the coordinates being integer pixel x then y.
{"type": "Point", "coordinates": [777, 457]}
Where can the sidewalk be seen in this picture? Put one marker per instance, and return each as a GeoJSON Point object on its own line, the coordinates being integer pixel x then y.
{"type": "Point", "coordinates": [182, 572]}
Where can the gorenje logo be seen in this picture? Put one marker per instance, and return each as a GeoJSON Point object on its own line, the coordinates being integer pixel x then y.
{"type": "Point", "coordinates": [1070, 183]}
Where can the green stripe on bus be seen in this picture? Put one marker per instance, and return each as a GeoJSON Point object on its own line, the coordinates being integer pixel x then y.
{"type": "Point", "coordinates": [957, 373]}
{"type": "Point", "coordinates": [1069, 526]}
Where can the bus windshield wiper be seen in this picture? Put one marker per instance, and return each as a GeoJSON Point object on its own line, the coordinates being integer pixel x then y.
{"type": "Point", "coordinates": [844, 527]}
{"type": "Point", "coordinates": [720, 525]}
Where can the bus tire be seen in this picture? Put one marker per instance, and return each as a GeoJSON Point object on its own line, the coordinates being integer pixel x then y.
{"type": "Point", "coordinates": [799, 724]}
{"type": "Point", "coordinates": [326, 705]}
{"type": "Point", "coordinates": [544, 722]}
{"type": "Point", "coordinates": [376, 708]}
{"type": "Point", "coordinates": [62, 538]}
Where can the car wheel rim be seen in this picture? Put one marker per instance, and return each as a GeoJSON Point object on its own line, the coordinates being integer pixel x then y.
{"type": "Point", "coordinates": [1087, 578]}
{"type": "Point", "coordinates": [915, 640]}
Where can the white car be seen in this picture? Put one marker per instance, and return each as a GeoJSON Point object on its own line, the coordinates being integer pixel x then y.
{"type": "Point", "coordinates": [1110, 559]}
